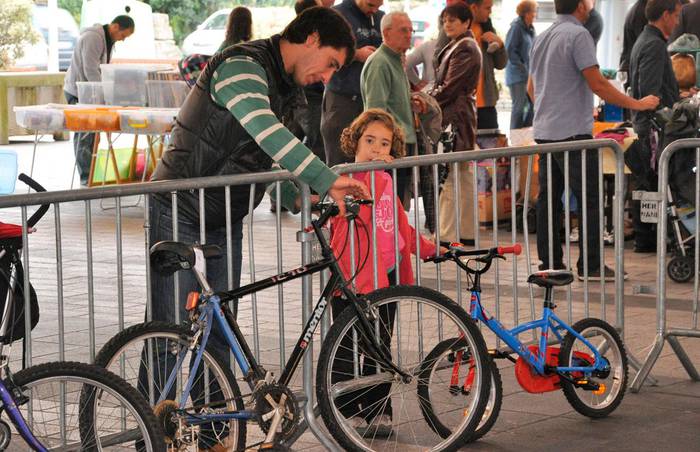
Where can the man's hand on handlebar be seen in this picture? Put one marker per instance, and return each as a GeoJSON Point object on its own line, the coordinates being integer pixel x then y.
{"type": "Point", "coordinates": [344, 186]}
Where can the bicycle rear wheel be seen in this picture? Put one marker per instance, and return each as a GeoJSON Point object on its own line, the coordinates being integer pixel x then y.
{"type": "Point", "coordinates": [368, 408]}
{"type": "Point", "coordinates": [146, 355]}
{"type": "Point", "coordinates": [613, 381]}
{"type": "Point", "coordinates": [445, 378]}
{"type": "Point", "coordinates": [75, 406]}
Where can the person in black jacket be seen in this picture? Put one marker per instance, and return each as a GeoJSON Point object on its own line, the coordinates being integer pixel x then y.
{"type": "Point", "coordinates": [634, 24]}
{"type": "Point", "coordinates": [651, 73]}
{"type": "Point", "coordinates": [688, 22]}
{"type": "Point", "coordinates": [342, 99]}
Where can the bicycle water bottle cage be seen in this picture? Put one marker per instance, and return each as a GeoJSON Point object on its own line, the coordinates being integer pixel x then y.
{"type": "Point", "coordinates": [167, 257]}
{"type": "Point", "coordinates": [551, 278]}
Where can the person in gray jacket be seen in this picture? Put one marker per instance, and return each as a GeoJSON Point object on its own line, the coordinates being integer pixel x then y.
{"type": "Point", "coordinates": [94, 47]}
{"type": "Point", "coordinates": [518, 44]}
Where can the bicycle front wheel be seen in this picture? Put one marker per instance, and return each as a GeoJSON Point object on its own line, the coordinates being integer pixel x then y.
{"type": "Point", "coordinates": [445, 378]}
{"type": "Point", "coordinates": [612, 381]}
{"type": "Point", "coordinates": [366, 407]}
{"type": "Point", "coordinates": [146, 355]}
{"type": "Point", "coordinates": [75, 406]}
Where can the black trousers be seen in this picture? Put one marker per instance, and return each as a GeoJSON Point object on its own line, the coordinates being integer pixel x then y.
{"type": "Point", "coordinates": [577, 185]}
{"type": "Point", "coordinates": [365, 403]}
{"type": "Point", "coordinates": [337, 112]}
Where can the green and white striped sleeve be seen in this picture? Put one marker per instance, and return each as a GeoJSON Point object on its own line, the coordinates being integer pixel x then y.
{"type": "Point", "coordinates": [239, 84]}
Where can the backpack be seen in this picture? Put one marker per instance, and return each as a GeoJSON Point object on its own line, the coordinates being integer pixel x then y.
{"type": "Point", "coordinates": [16, 328]}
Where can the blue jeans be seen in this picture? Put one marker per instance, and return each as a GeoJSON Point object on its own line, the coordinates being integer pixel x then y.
{"type": "Point", "coordinates": [523, 112]}
{"type": "Point", "coordinates": [164, 304]}
{"type": "Point", "coordinates": [82, 146]}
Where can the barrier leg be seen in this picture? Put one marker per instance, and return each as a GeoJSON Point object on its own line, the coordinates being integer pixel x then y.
{"type": "Point", "coordinates": [683, 357]}
{"type": "Point", "coordinates": [648, 363]}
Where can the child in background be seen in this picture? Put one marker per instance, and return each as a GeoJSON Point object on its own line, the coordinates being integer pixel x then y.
{"type": "Point", "coordinates": [373, 136]}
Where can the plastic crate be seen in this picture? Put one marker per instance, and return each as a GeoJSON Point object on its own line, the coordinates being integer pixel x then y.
{"type": "Point", "coordinates": [91, 93]}
{"type": "Point", "coordinates": [92, 119]}
{"type": "Point", "coordinates": [166, 94]}
{"type": "Point", "coordinates": [40, 118]}
{"type": "Point", "coordinates": [147, 121]}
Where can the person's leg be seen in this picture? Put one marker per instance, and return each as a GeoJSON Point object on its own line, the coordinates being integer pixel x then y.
{"type": "Point", "coordinates": [337, 113]}
{"type": "Point", "coordinates": [343, 367]}
{"type": "Point", "coordinates": [377, 401]}
{"type": "Point", "coordinates": [543, 238]}
{"type": "Point", "coordinates": [82, 146]}
{"type": "Point", "coordinates": [164, 304]}
{"type": "Point", "coordinates": [519, 97]}
{"type": "Point", "coordinates": [591, 208]}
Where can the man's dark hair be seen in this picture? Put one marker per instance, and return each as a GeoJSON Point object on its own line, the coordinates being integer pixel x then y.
{"type": "Point", "coordinates": [124, 22]}
{"type": "Point", "coordinates": [302, 5]}
{"type": "Point", "coordinates": [566, 6]}
{"type": "Point", "coordinates": [458, 11]}
{"type": "Point", "coordinates": [656, 8]}
{"type": "Point", "coordinates": [333, 30]}
{"type": "Point", "coordinates": [473, 2]}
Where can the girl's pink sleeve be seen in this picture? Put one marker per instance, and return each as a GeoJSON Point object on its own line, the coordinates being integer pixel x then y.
{"type": "Point", "coordinates": [427, 248]}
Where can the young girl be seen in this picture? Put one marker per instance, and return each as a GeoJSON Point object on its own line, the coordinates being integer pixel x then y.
{"type": "Point", "coordinates": [373, 136]}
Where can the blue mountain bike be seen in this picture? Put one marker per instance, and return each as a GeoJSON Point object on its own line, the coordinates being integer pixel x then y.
{"type": "Point", "coordinates": [589, 366]}
{"type": "Point", "coordinates": [368, 368]}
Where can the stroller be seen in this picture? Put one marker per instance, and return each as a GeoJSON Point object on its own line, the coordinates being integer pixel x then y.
{"type": "Point", "coordinates": [682, 121]}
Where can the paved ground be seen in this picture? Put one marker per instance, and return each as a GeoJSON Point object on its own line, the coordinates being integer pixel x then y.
{"type": "Point", "coordinates": [664, 417]}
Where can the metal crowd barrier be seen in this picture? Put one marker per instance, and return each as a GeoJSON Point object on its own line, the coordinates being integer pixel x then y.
{"type": "Point", "coordinates": [668, 210]}
{"type": "Point", "coordinates": [132, 279]}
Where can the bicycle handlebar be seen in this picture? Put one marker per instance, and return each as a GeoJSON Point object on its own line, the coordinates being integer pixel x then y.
{"type": "Point", "coordinates": [34, 219]}
{"type": "Point", "coordinates": [330, 209]}
{"type": "Point", "coordinates": [515, 249]}
{"type": "Point", "coordinates": [484, 255]}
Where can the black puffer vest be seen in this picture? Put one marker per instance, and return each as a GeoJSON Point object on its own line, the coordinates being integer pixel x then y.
{"type": "Point", "coordinates": [208, 141]}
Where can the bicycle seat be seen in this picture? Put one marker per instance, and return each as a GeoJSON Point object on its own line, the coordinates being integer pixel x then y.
{"type": "Point", "coordinates": [551, 278]}
{"type": "Point", "coordinates": [168, 256]}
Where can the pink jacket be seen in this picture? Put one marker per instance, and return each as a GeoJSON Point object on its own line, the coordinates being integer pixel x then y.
{"type": "Point", "coordinates": [364, 282]}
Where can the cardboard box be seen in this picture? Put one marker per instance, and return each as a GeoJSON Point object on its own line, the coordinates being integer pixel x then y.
{"type": "Point", "coordinates": [503, 204]}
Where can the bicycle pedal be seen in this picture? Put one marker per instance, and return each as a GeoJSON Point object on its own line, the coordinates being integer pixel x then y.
{"type": "Point", "coordinates": [589, 386]}
{"type": "Point", "coordinates": [273, 447]}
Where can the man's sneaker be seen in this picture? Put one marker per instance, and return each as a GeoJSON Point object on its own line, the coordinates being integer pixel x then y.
{"type": "Point", "coordinates": [609, 274]}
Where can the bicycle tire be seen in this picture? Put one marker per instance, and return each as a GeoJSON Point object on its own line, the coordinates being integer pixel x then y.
{"type": "Point", "coordinates": [586, 401]}
{"type": "Point", "coordinates": [436, 310]}
{"type": "Point", "coordinates": [116, 397]}
{"type": "Point", "coordinates": [443, 351]}
{"type": "Point", "coordinates": [133, 339]}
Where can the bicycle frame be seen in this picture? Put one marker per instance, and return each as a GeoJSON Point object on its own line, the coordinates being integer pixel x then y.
{"type": "Point", "coordinates": [6, 395]}
{"type": "Point", "coordinates": [211, 310]}
{"type": "Point", "coordinates": [549, 321]}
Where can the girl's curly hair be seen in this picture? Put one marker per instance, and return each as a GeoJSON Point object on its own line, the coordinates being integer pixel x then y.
{"type": "Point", "coordinates": [351, 134]}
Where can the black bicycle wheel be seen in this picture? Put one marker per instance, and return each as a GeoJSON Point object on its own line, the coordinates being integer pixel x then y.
{"type": "Point", "coordinates": [146, 355]}
{"type": "Point", "coordinates": [441, 383]}
{"type": "Point", "coordinates": [75, 406]}
{"type": "Point", "coordinates": [366, 407]}
{"type": "Point", "coordinates": [613, 382]}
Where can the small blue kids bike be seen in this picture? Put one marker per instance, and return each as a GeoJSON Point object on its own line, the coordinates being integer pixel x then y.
{"type": "Point", "coordinates": [590, 365]}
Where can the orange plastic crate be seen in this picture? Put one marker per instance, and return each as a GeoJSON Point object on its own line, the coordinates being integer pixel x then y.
{"type": "Point", "coordinates": [103, 119]}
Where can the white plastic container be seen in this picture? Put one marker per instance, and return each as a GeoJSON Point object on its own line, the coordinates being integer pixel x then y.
{"type": "Point", "coordinates": [91, 93]}
{"type": "Point", "coordinates": [128, 83]}
{"type": "Point", "coordinates": [147, 121]}
{"type": "Point", "coordinates": [166, 94]}
{"type": "Point", "coordinates": [40, 118]}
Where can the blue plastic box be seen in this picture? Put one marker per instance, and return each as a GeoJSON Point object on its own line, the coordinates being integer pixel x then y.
{"type": "Point", "coordinates": [612, 113]}
{"type": "Point", "coordinates": [8, 171]}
